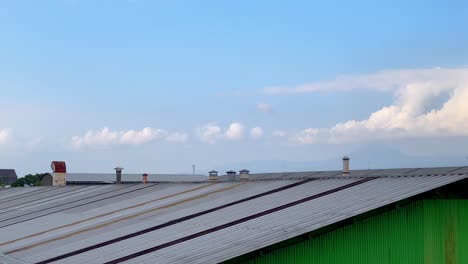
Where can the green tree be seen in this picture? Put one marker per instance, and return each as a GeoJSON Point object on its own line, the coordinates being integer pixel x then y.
{"type": "Point", "coordinates": [30, 179]}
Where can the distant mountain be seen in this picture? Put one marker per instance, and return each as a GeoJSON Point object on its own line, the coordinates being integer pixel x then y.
{"type": "Point", "coordinates": [369, 156]}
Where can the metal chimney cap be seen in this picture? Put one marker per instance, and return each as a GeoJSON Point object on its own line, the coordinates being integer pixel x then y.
{"type": "Point", "coordinates": [58, 166]}
{"type": "Point", "coordinates": [345, 158]}
{"type": "Point", "coordinates": [244, 171]}
{"type": "Point", "coordinates": [213, 171]}
{"type": "Point", "coordinates": [231, 172]}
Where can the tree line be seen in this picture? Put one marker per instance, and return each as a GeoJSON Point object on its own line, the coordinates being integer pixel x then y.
{"type": "Point", "coordinates": [29, 180]}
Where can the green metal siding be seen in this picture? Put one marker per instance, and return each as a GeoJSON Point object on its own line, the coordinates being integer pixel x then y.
{"type": "Point", "coordinates": [425, 231]}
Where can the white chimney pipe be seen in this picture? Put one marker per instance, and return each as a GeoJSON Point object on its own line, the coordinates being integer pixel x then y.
{"type": "Point", "coordinates": [345, 166]}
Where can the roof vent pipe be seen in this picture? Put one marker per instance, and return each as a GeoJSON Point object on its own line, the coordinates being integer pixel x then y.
{"type": "Point", "coordinates": [213, 175]}
{"type": "Point", "coordinates": [231, 175]}
{"type": "Point", "coordinates": [145, 178]}
{"type": "Point", "coordinates": [345, 166]}
{"type": "Point", "coordinates": [118, 175]}
{"type": "Point", "coordinates": [244, 175]}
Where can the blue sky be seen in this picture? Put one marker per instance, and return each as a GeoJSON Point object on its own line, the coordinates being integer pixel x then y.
{"type": "Point", "coordinates": [190, 70]}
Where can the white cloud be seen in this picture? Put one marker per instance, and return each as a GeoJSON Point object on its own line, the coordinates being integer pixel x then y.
{"type": "Point", "coordinates": [106, 137]}
{"type": "Point", "coordinates": [147, 134]}
{"type": "Point", "coordinates": [256, 132]}
{"type": "Point", "coordinates": [98, 138]}
{"type": "Point", "coordinates": [262, 107]}
{"type": "Point", "coordinates": [5, 136]}
{"type": "Point", "coordinates": [279, 133]}
{"type": "Point", "coordinates": [387, 80]}
{"type": "Point", "coordinates": [307, 136]}
{"type": "Point", "coordinates": [211, 133]}
{"type": "Point", "coordinates": [414, 112]}
{"type": "Point", "coordinates": [177, 137]}
{"type": "Point", "coordinates": [234, 132]}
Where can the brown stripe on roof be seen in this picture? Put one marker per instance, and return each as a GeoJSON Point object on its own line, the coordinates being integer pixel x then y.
{"type": "Point", "coordinates": [233, 223]}
{"type": "Point", "coordinates": [173, 222]}
{"type": "Point", "coordinates": [71, 207]}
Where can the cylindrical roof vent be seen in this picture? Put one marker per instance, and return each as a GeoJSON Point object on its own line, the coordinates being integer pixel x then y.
{"type": "Point", "coordinates": [118, 175]}
{"type": "Point", "coordinates": [346, 166]}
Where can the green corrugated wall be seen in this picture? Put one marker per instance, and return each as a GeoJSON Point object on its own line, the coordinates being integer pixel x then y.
{"type": "Point", "coordinates": [425, 231]}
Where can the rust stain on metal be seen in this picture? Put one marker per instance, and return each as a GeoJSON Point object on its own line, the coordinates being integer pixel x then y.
{"type": "Point", "coordinates": [103, 215]}
{"type": "Point", "coordinates": [126, 218]}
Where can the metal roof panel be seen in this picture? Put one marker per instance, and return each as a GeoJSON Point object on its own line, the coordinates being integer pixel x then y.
{"type": "Point", "coordinates": [114, 211]}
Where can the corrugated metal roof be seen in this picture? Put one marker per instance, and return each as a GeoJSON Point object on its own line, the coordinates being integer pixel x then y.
{"type": "Point", "coordinates": [110, 177]}
{"type": "Point", "coordinates": [194, 222]}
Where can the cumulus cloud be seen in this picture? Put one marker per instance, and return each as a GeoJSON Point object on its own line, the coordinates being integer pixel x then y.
{"type": "Point", "coordinates": [427, 103]}
{"type": "Point", "coordinates": [177, 137]}
{"type": "Point", "coordinates": [262, 107]}
{"type": "Point", "coordinates": [106, 137]}
{"type": "Point", "coordinates": [256, 132]}
{"type": "Point", "coordinates": [235, 131]}
{"type": "Point", "coordinates": [308, 136]}
{"type": "Point", "coordinates": [147, 134]}
{"type": "Point", "coordinates": [211, 132]}
{"type": "Point", "coordinates": [5, 136]}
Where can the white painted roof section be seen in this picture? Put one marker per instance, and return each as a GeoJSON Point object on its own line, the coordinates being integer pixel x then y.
{"type": "Point", "coordinates": [59, 220]}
